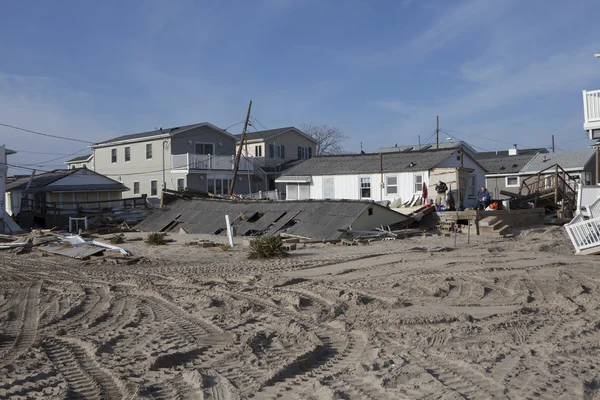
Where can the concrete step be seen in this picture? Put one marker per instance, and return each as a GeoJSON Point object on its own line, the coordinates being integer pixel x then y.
{"type": "Point", "coordinates": [488, 221]}
{"type": "Point", "coordinates": [499, 232]}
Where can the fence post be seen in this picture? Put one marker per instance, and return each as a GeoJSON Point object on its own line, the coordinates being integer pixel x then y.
{"type": "Point", "coordinates": [277, 194]}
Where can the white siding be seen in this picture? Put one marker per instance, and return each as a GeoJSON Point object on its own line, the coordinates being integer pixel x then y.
{"type": "Point", "coordinates": [348, 186]}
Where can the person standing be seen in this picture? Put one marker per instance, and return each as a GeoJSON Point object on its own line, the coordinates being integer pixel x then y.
{"type": "Point", "coordinates": [440, 188]}
{"type": "Point", "coordinates": [483, 199]}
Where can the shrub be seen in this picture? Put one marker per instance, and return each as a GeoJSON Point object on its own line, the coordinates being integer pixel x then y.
{"type": "Point", "coordinates": [224, 247]}
{"type": "Point", "coordinates": [117, 238]}
{"type": "Point", "coordinates": [156, 239]}
{"type": "Point", "coordinates": [266, 247]}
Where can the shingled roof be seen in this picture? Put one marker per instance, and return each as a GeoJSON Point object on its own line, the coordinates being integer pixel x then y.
{"type": "Point", "coordinates": [568, 160]}
{"type": "Point", "coordinates": [317, 219]}
{"type": "Point", "coordinates": [370, 163]}
{"type": "Point", "coordinates": [160, 132]}
{"type": "Point", "coordinates": [39, 182]}
{"type": "Point", "coordinates": [505, 164]}
{"type": "Point", "coordinates": [79, 159]}
{"type": "Point", "coordinates": [271, 133]}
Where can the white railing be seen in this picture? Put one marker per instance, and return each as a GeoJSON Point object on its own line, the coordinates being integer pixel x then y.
{"type": "Point", "coordinates": [593, 209]}
{"type": "Point", "coordinates": [265, 195]}
{"type": "Point", "coordinates": [591, 105]}
{"type": "Point", "coordinates": [584, 234]}
{"type": "Point", "coordinates": [186, 162]}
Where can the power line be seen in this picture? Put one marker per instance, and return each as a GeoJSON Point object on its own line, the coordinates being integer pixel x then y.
{"type": "Point", "coordinates": [254, 119]}
{"type": "Point", "coordinates": [44, 134]}
{"type": "Point", "coordinates": [58, 158]}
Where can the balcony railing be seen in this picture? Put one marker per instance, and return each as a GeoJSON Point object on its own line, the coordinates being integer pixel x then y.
{"type": "Point", "coordinates": [591, 105]}
{"type": "Point", "coordinates": [187, 162]}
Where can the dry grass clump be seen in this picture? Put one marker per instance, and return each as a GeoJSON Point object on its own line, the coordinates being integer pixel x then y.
{"type": "Point", "coordinates": [266, 247]}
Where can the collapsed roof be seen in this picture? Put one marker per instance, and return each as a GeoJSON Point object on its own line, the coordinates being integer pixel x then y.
{"type": "Point", "coordinates": [315, 219]}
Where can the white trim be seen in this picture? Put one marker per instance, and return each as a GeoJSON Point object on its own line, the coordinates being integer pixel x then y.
{"type": "Point", "coordinates": [360, 188]}
{"type": "Point", "coordinates": [387, 185]}
{"type": "Point", "coordinates": [422, 175]}
{"type": "Point", "coordinates": [151, 151]}
{"type": "Point", "coordinates": [518, 181]}
{"type": "Point", "coordinates": [125, 154]}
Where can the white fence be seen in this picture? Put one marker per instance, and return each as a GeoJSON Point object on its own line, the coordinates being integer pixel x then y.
{"type": "Point", "coordinates": [189, 161]}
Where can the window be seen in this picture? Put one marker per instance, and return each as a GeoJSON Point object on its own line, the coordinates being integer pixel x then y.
{"type": "Point", "coordinates": [418, 183]}
{"type": "Point", "coordinates": [258, 151]}
{"type": "Point", "coordinates": [180, 184]}
{"type": "Point", "coordinates": [391, 185]}
{"type": "Point", "coordinates": [304, 152]}
{"type": "Point", "coordinates": [365, 187]}
{"type": "Point", "coordinates": [136, 188]}
{"type": "Point", "coordinates": [271, 151]}
{"type": "Point", "coordinates": [73, 166]}
{"type": "Point", "coordinates": [219, 186]}
{"type": "Point", "coordinates": [472, 188]}
{"type": "Point", "coordinates": [370, 210]}
{"type": "Point", "coordinates": [512, 181]}
{"type": "Point", "coordinates": [148, 151]}
{"type": "Point", "coordinates": [113, 156]}
{"type": "Point", "coordinates": [280, 151]}
{"type": "Point", "coordinates": [153, 188]}
{"type": "Point", "coordinates": [205, 148]}
{"type": "Point", "coordinates": [127, 154]}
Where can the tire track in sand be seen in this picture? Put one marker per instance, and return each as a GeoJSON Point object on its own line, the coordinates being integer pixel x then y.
{"type": "Point", "coordinates": [24, 328]}
{"type": "Point", "coordinates": [84, 376]}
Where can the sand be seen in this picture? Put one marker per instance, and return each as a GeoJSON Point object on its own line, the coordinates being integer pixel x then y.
{"type": "Point", "coordinates": [407, 319]}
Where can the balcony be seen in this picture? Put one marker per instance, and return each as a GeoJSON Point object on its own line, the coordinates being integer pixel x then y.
{"type": "Point", "coordinates": [192, 162]}
{"type": "Point", "coordinates": [591, 113]}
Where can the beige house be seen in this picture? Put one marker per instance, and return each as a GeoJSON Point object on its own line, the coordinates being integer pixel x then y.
{"type": "Point", "coordinates": [276, 150]}
{"type": "Point", "coordinates": [80, 162]}
{"type": "Point", "coordinates": [198, 156]}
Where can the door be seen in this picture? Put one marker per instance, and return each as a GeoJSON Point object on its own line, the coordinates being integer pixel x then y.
{"type": "Point", "coordinates": [328, 188]}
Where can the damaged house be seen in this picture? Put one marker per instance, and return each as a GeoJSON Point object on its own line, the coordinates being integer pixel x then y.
{"type": "Point", "coordinates": [388, 176]}
{"type": "Point", "coordinates": [317, 220]}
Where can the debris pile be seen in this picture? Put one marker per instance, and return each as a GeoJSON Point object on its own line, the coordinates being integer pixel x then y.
{"type": "Point", "coordinates": [65, 244]}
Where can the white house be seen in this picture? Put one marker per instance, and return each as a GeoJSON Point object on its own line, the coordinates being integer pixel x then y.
{"type": "Point", "coordinates": [384, 176]}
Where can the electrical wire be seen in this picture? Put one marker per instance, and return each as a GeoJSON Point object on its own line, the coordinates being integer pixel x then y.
{"type": "Point", "coordinates": [58, 158]}
{"type": "Point", "coordinates": [44, 134]}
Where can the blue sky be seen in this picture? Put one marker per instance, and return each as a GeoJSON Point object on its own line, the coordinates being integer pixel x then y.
{"type": "Point", "coordinates": [496, 71]}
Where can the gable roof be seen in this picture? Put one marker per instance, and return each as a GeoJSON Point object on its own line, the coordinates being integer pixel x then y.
{"type": "Point", "coordinates": [504, 153]}
{"type": "Point", "coordinates": [505, 164]}
{"type": "Point", "coordinates": [39, 182]}
{"type": "Point", "coordinates": [271, 133]}
{"type": "Point", "coordinates": [158, 133]}
{"type": "Point", "coordinates": [370, 163]}
{"type": "Point", "coordinates": [568, 160]}
{"type": "Point", "coordinates": [428, 146]}
{"type": "Point", "coordinates": [87, 157]}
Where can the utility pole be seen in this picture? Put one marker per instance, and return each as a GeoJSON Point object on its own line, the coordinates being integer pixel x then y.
{"type": "Point", "coordinates": [437, 132]}
{"type": "Point", "coordinates": [239, 153]}
{"type": "Point", "coordinates": [553, 143]}
{"type": "Point", "coordinates": [419, 142]}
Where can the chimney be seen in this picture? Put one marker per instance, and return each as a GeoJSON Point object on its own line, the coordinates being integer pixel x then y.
{"type": "Point", "coordinates": [514, 151]}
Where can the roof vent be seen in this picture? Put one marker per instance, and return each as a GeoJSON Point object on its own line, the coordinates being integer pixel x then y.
{"type": "Point", "coordinates": [515, 165]}
{"type": "Point", "coordinates": [174, 129]}
{"type": "Point", "coordinates": [412, 164]}
{"type": "Point", "coordinates": [545, 159]}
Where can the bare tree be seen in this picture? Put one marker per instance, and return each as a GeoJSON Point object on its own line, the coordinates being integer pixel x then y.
{"type": "Point", "coordinates": [329, 138]}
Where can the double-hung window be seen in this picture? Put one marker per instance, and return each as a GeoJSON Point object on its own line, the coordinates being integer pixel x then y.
{"type": "Point", "coordinates": [365, 187]}
{"type": "Point", "coordinates": [153, 188]}
{"type": "Point", "coordinates": [127, 154]}
{"type": "Point", "coordinates": [418, 183]}
{"type": "Point", "coordinates": [391, 185]}
{"type": "Point", "coordinates": [149, 151]}
{"type": "Point", "coordinates": [113, 156]}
